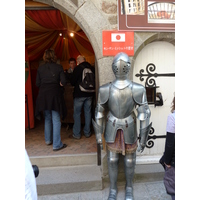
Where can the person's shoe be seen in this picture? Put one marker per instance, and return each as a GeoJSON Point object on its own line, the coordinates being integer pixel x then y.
{"type": "Point", "coordinates": [89, 135]}
{"type": "Point", "coordinates": [64, 146]}
{"type": "Point", "coordinates": [49, 143]}
{"type": "Point", "coordinates": [75, 137]}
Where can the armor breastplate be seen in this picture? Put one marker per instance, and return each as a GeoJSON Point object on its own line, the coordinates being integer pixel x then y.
{"type": "Point", "coordinates": [120, 101]}
{"type": "Point", "coordinates": [121, 115]}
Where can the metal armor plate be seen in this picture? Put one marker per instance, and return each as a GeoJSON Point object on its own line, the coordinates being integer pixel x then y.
{"type": "Point", "coordinates": [121, 115]}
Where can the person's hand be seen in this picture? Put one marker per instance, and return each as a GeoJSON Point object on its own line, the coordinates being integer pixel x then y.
{"type": "Point", "coordinates": [168, 166]}
{"type": "Point", "coordinates": [61, 84]}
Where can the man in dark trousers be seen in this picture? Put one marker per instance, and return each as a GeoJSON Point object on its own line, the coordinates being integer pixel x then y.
{"type": "Point", "coordinates": [81, 99]}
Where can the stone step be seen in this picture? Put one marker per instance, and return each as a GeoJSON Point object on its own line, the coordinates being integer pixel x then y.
{"type": "Point", "coordinates": [60, 180]}
{"type": "Point", "coordinates": [78, 173]}
{"type": "Point", "coordinates": [82, 159]}
{"type": "Point", "coordinates": [148, 173]}
{"type": "Point", "coordinates": [64, 160]}
{"type": "Point", "coordinates": [72, 179]}
{"type": "Point", "coordinates": [143, 173]}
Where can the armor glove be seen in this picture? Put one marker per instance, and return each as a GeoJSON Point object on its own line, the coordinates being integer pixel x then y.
{"type": "Point", "coordinates": [141, 147]}
{"type": "Point", "coordinates": [97, 130]}
{"type": "Point", "coordinates": [99, 138]}
{"type": "Point", "coordinates": [100, 143]}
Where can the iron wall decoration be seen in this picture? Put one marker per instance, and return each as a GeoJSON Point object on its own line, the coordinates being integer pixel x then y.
{"type": "Point", "coordinates": [151, 83]}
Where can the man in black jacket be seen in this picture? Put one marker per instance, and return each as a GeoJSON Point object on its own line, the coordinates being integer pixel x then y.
{"type": "Point", "coordinates": [81, 99]}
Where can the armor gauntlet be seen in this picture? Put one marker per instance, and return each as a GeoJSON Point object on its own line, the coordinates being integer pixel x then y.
{"type": "Point", "coordinates": [98, 123]}
{"type": "Point", "coordinates": [144, 114]}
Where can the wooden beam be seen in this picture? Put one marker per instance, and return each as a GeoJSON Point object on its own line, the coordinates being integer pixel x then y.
{"type": "Point", "coordinates": [31, 5]}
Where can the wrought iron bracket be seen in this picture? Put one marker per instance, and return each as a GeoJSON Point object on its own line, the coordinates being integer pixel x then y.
{"type": "Point", "coordinates": [150, 82]}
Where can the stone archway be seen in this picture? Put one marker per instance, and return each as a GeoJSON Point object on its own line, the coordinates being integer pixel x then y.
{"type": "Point", "coordinates": [91, 21]}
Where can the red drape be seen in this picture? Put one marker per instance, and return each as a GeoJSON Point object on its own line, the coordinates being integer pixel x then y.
{"type": "Point", "coordinates": [50, 19]}
{"type": "Point", "coordinates": [42, 31]}
{"type": "Point", "coordinates": [29, 112]}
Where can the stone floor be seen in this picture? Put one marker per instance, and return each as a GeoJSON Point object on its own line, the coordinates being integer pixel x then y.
{"type": "Point", "coordinates": [142, 191]}
{"type": "Point", "coordinates": [35, 143]}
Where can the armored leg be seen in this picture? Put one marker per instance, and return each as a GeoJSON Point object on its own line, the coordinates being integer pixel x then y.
{"type": "Point", "coordinates": [113, 159]}
{"type": "Point", "coordinates": [129, 165]}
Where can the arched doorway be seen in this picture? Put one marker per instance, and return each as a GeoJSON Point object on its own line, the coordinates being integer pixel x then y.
{"type": "Point", "coordinates": [92, 21]}
{"type": "Point", "coordinates": [34, 56]}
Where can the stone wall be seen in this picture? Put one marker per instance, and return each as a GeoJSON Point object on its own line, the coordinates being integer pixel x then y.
{"type": "Point", "coordinates": [94, 16]}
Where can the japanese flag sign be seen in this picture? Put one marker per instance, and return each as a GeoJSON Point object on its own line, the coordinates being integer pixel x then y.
{"type": "Point", "coordinates": [117, 37]}
{"type": "Point", "coordinates": [117, 41]}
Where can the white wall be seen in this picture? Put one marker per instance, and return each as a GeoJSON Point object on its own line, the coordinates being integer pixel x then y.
{"type": "Point", "coordinates": [162, 55]}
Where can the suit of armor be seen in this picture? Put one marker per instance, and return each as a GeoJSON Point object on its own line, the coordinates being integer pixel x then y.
{"type": "Point", "coordinates": [120, 98]}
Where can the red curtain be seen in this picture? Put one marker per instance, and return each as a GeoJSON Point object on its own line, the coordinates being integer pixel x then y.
{"type": "Point", "coordinates": [42, 31]}
{"type": "Point", "coordinates": [50, 19]}
{"type": "Point", "coordinates": [29, 112]}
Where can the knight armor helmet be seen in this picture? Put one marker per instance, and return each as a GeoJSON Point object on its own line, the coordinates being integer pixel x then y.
{"type": "Point", "coordinates": [121, 65]}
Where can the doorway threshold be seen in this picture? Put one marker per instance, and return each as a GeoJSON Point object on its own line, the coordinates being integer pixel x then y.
{"type": "Point", "coordinates": [35, 144]}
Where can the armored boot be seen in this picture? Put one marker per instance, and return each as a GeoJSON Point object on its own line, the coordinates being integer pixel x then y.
{"type": "Point", "coordinates": [113, 159]}
{"type": "Point", "coordinates": [112, 194]}
{"type": "Point", "coordinates": [129, 164]}
{"type": "Point", "coordinates": [129, 193]}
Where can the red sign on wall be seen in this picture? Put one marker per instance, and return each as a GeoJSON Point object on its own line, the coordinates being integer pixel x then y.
{"type": "Point", "coordinates": [117, 41]}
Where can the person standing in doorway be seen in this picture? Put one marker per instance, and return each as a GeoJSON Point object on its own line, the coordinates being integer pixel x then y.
{"type": "Point", "coordinates": [72, 65]}
{"type": "Point", "coordinates": [50, 80]}
{"type": "Point", "coordinates": [81, 99]}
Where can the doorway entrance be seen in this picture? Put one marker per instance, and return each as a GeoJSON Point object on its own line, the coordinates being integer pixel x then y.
{"type": "Point", "coordinates": [47, 27]}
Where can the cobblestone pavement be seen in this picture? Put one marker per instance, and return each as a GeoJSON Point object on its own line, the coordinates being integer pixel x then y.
{"type": "Point", "coordinates": [142, 191]}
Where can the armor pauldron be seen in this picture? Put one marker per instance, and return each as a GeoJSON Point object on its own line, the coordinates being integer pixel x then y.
{"type": "Point", "coordinates": [143, 112]}
{"type": "Point", "coordinates": [139, 94]}
{"type": "Point", "coordinates": [144, 134]}
{"type": "Point", "coordinates": [103, 93]}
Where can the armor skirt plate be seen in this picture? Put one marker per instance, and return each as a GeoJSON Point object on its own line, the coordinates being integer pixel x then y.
{"type": "Point", "coordinates": [119, 145]}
